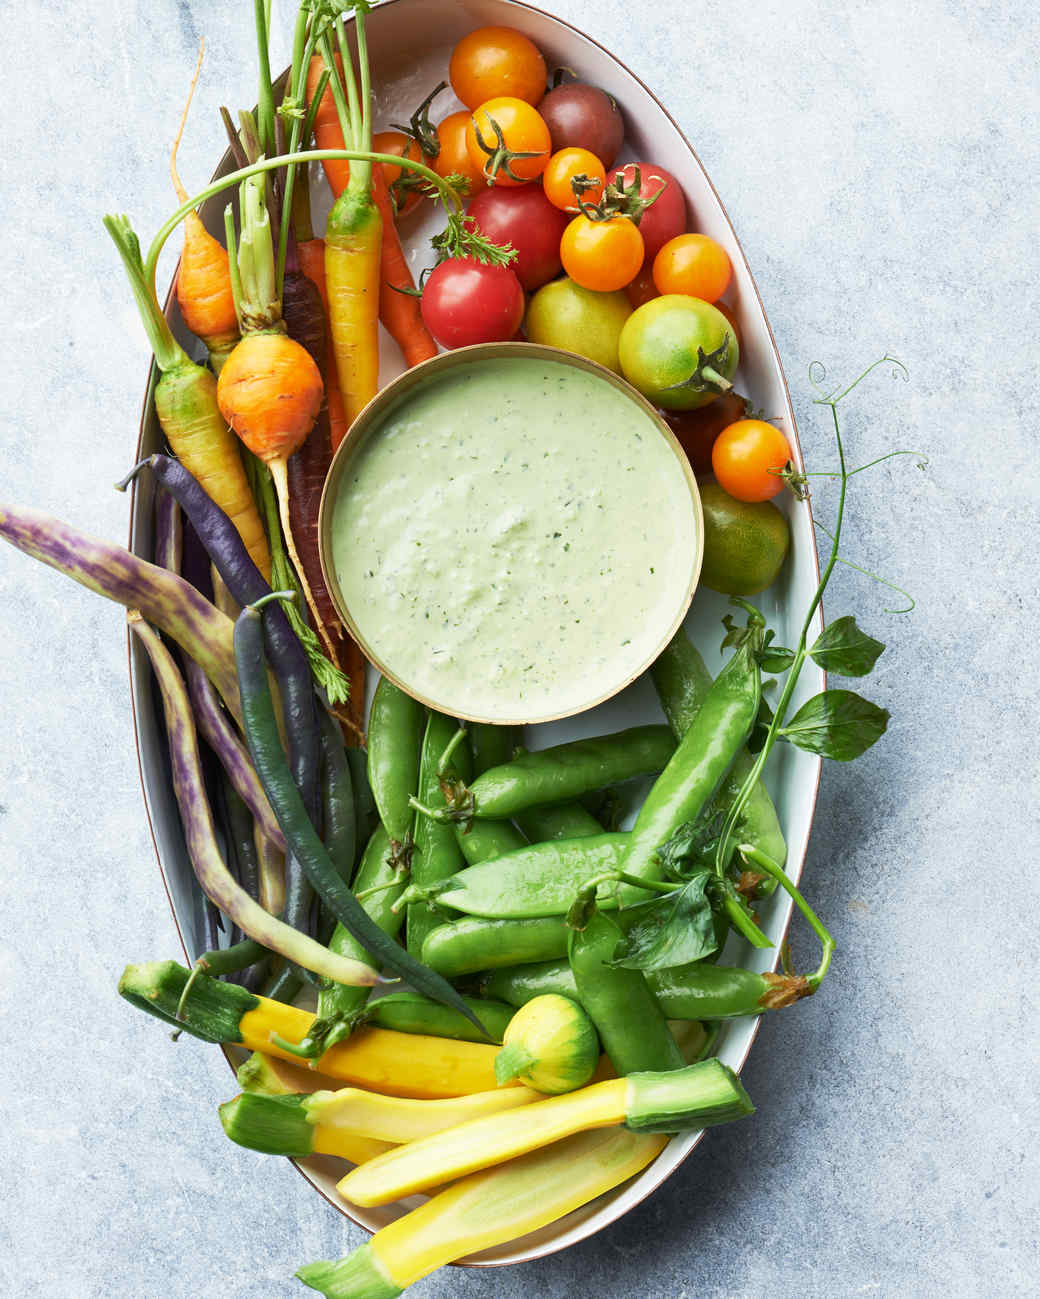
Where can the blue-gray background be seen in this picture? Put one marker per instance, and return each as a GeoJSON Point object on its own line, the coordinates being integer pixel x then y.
{"type": "Point", "coordinates": [876, 163]}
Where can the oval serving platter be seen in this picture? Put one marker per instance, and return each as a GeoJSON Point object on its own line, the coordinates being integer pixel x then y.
{"type": "Point", "coordinates": [409, 43]}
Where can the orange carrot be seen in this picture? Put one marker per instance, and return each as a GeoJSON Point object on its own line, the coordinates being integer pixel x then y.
{"type": "Point", "coordinates": [203, 276]}
{"type": "Point", "coordinates": [399, 311]}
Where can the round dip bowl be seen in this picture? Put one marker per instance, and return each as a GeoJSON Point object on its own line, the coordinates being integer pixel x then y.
{"type": "Point", "coordinates": [511, 533]}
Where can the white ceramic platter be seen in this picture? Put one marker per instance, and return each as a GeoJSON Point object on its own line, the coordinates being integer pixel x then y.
{"type": "Point", "coordinates": [410, 42]}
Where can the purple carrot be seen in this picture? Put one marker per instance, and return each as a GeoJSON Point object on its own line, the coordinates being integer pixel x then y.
{"type": "Point", "coordinates": [202, 631]}
{"type": "Point", "coordinates": [229, 747]}
{"type": "Point", "coordinates": [211, 871]}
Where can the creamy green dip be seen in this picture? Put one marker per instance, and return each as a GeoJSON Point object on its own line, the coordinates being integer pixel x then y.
{"type": "Point", "coordinates": [514, 539]}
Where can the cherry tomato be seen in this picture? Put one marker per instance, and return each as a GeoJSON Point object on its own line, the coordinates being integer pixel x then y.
{"type": "Point", "coordinates": [522, 132]}
{"type": "Point", "coordinates": [584, 117]}
{"type": "Point", "coordinates": [454, 156]}
{"type": "Point", "coordinates": [743, 457]}
{"type": "Point", "coordinates": [601, 255]}
{"type": "Point", "coordinates": [642, 288]}
{"type": "Point", "coordinates": [524, 219]}
{"type": "Point", "coordinates": [563, 314]}
{"type": "Point", "coordinates": [731, 316]}
{"type": "Point", "coordinates": [678, 351]}
{"type": "Point", "coordinates": [698, 429]}
{"type": "Point", "coordinates": [562, 169]}
{"type": "Point", "coordinates": [666, 217]}
{"type": "Point", "coordinates": [494, 61]}
{"type": "Point", "coordinates": [693, 264]}
{"type": "Point", "coordinates": [403, 146]}
{"type": "Point", "coordinates": [464, 301]}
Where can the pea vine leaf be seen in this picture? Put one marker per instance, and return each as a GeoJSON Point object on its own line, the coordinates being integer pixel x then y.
{"type": "Point", "coordinates": [844, 649]}
{"type": "Point", "coordinates": [837, 724]}
{"type": "Point", "coordinates": [675, 930]}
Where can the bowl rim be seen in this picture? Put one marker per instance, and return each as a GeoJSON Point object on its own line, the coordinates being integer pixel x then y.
{"type": "Point", "coordinates": [383, 404]}
{"type": "Point", "coordinates": [794, 867]}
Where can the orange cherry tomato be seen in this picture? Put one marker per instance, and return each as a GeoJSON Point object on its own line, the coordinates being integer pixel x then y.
{"type": "Point", "coordinates": [499, 152]}
{"type": "Point", "coordinates": [602, 255]}
{"type": "Point", "coordinates": [562, 168]}
{"type": "Point", "coordinates": [693, 264]}
{"type": "Point", "coordinates": [642, 288]}
{"type": "Point", "coordinates": [454, 156]}
{"type": "Point", "coordinates": [403, 146]}
{"type": "Point", "coordinates": [743, 457]}
{"type": "Point", "coordinates": [495, 61]}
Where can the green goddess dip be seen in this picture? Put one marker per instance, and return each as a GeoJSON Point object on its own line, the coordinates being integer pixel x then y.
{"type": "Point", "coordinates": [514, 539]}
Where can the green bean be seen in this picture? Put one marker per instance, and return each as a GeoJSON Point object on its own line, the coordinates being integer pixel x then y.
{"type": "Point", "coordinates": [630, 1023]}
{"type": "Point", "coordinates": [437, 853]}
{"type": "Point", "coordinates": [394, 730]}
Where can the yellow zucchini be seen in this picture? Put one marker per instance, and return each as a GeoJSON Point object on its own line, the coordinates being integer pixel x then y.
{"type": "Point", "coordinates": [486, 1209]}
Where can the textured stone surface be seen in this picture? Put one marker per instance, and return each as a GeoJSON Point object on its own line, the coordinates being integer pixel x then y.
{"type": "Point", "coordinates": [874, 160]}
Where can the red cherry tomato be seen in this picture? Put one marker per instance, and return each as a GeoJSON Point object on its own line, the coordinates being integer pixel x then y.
{"type": "Point", "coordinates": [525, 220]}
{"type": "Point", "coordinates": [745, 457]}
{"type": "Point", "coordinates": [698, 429]}
{"type": "Point", "coordinates": [642, 288]}
{"type": "Point", "coordinates": [464, 301]}
{"type": "Point", "coordinates": [665, 218]}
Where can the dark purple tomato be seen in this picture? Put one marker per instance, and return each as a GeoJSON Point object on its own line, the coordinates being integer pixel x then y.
{"type": "Point", "coordinates": [666, 217]}
{"type": "Point", "coordinates": [523, 219]}
{"type": "Point", "coordinates": [584, 117]}
{"type": "Point", "coordinates": [464, 301]}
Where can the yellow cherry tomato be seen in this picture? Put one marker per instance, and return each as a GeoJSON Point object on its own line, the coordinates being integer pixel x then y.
{"type": "Point", "coordinates": [602, 255]}
{"type": "Point", "coordinates": [494, 61]}
{"type": "Point", "coordinates": [693, 264]}
{"type": "Point", "coordinates": [564, 167]}
{"type": "Point", "coordinates": [508, 140]}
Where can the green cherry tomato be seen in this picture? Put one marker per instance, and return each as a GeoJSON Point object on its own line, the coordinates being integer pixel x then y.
{"type": "Point", "coordinates": [563, 314]}
{"type": "Point", "coordinates": [679, 351]}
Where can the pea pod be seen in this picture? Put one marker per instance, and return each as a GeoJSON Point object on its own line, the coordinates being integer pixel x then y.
{"type": "Point", "coordinates": [703, 757]}
{"type": "Point", "coordinates": [261, 731]}
{"type": "Point", "coordinates": [563, 773]}
{"type": "Point", "coordinates": [683, 681]}
{"type": "Point", "coordinates": [472, 944]}
{"type": "Point", "coordinates": [539, 880]}
{"type": "Point", "coordinates": [560, 821]}
{"type": "Point", "coordinates": [490, 746]}
{"type": "Point", "coordinates": [486, 840]}
{"type": "Point", "coordinates": [394, 729]}
{"type": "Point", "coordinates": [408, 1012]}
{"type": "Point", "coordinates": [699, 991]}
{"type": "Point", "coordinates": [437, 853]}
{"type": "Point", "coordinates": [630, 1023]}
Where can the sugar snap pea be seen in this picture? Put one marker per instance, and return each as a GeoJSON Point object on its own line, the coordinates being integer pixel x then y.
{"type": "Point", "coordinates": [683, 681]}
{"type": "Point", "coordinates": [630, 1023]}
{"type": "Point", "coordinates": [472, 944]}
{"type": "Point", "coordinates": [437, 853]}
{"type": "Point", "coordinates": [559, 774]}
{"type": "Point", "coordinates": [394, 733]}
{"type": "Point", "coordinates": [703, 757]}
{"type": "Point", "coordinates": [538, 880]}
{"type": "Point", "coordinates": [559, 821]}
{"type": "Point", "coordinates": [407, 1012]}
{"type": "Point", "coordinates": [490, 746]}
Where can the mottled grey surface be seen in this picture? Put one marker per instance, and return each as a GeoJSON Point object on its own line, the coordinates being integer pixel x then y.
{"type": "Point", "coordinates": [875, 161]}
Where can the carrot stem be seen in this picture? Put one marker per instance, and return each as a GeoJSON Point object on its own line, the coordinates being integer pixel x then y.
{"type": "Point", "coordinates": [178, 187]}
{"type": "Point", "coordinates": [448, 192]}
{"type": "Point", "coordinates": [232, 250]}
{"type": "Point", "coordinates": [168, 352]}
{"type": "Point", "coordinates": [265, 96]}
